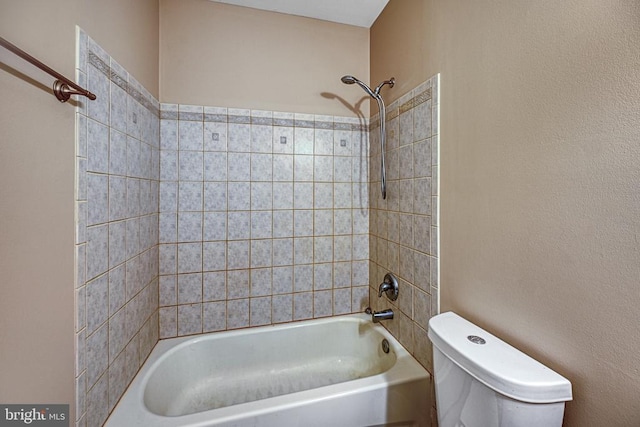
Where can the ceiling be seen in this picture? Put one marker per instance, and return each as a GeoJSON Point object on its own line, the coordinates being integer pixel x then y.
{"type": "Point", "coordinates": [361, 13]}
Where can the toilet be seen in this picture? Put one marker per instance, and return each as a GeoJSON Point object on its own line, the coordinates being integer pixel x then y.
{"type": "Point", "coordinates": [481, 381]}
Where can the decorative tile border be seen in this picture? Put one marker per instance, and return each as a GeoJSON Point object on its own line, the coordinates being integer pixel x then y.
{"type": "Point", "coordinates": [346, 126]}
{"type": "Point", "coordinates": [304, 124]}
{"type": "Point", "coordinates": [394, 111]}
{"type": "Point", "coordinates": [122, 82]}
{"type": "Point", "coordinates": [239, 119]}
{"type": "Point", "coordinates": [416, 100]}
{"type": "Point", "coordinates": [190, 116]}
{"type": "Point", "coordinates": [168, 115]}
{"type": "Point", "coordinates": [266, 121]}
{"type": "Point", "coordinates": [99, 64]}
{"type": "Point", "coordinates": [215, 118]}
{"type": "Point", "coordinates": [170, 112]}
{"type": "Point", "coordinates": [116, 78]}
{"type": "Point", "coordinates": [283, 122]}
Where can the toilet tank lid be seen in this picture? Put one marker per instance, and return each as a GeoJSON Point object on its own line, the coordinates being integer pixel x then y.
{"type": "Point", "coordinates": [495, 363]}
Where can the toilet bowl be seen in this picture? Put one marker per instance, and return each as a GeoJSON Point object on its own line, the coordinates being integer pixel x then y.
{"type": "Point", "coordinates": [481, 381]}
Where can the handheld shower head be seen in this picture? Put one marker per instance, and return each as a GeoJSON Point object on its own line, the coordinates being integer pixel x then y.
{"type": "Point", "coordinates": [351, 80]}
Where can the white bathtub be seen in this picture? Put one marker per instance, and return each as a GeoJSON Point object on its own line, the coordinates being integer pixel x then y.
{"type": "Point", "coordinates": [331, 371]}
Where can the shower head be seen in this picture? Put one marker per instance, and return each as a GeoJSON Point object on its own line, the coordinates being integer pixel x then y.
{"type": "Point", "coordinates": [351, 80]}
{"type": "Point", "coordinates": [348, 80]}
{"type": "Point", "coordinates": [373, 93]}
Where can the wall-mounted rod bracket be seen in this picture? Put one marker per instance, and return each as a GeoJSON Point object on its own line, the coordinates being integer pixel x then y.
{"type": "Point", "coordinates": [63, 92]}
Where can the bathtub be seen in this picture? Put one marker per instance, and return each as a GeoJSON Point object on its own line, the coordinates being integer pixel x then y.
{"type": "Point", "coordinates": [332, 371]}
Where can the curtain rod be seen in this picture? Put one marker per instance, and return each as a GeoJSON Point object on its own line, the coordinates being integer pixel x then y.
{"type": "Point", "coordinates": [63, 88]}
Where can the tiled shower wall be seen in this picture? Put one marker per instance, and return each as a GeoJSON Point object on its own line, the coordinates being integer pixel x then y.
{"type": "Point", "coordinates": [229, 218]}
{"type": "Point", "coordinates": [263, 218]}
{"type": "Point", "coordinates": [117, 182]}
{"type": "Point", "coordinates": [404, 226]}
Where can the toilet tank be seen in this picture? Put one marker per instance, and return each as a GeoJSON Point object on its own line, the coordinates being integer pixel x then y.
{"type": "Point", "coordinates": [481, 381]}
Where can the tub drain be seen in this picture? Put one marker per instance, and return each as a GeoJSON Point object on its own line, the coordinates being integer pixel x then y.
{"type": "Point", "coordinates": [385, 345]}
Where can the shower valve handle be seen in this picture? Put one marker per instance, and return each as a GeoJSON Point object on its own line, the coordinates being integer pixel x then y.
{"type": "Point", "coordinates": [389, 286]}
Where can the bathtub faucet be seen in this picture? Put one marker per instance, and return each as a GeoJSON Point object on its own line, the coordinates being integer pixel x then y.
{"type": "Point", "coordinates": [377, 316]}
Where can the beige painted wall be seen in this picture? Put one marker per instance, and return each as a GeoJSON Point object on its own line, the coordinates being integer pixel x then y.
{"type": "Point", "coordinates": [222, 55]}
{"type": "Point", "coordinates": [540, 165]}
{"type": "Point", "coordinates": [37, 191]}
{"type": "Point", "coordinates": [129, 32]}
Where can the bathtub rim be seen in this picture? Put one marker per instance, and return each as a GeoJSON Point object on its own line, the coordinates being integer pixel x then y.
{"type": "Point", "coordinates": [132, 404]}
{"type": "Point", "coordinates": [175, 344]}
